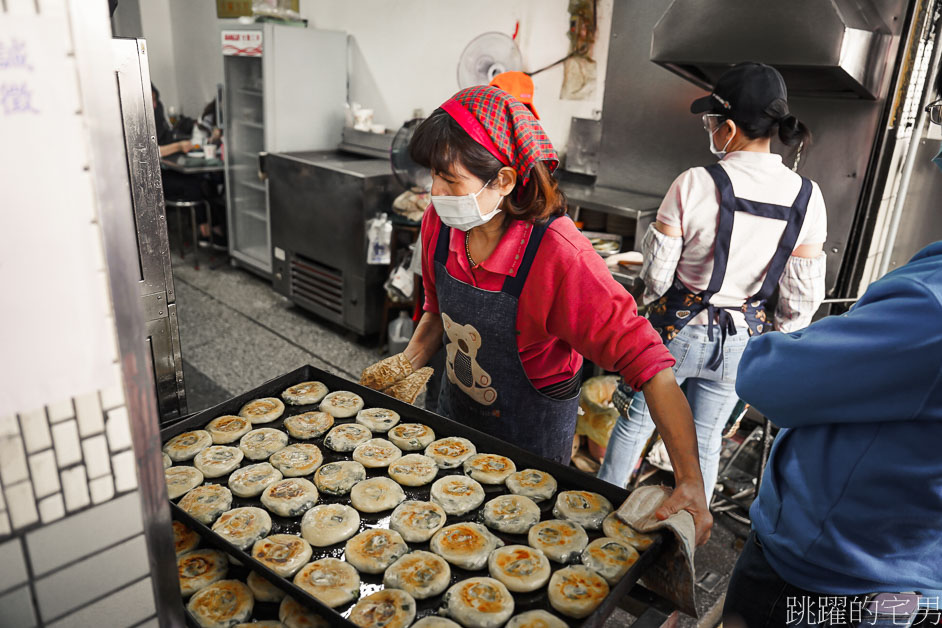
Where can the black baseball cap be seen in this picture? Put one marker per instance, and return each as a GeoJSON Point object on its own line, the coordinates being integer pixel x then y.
{"type": "Point", "coordinates": [747, 93]}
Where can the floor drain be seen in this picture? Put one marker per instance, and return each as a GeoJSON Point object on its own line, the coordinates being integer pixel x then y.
{"type": "Point", "coordinates": [709, 581]}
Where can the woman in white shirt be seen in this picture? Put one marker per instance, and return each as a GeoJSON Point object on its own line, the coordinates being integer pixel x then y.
{"type": "Point", "coordinates": [725, 237]}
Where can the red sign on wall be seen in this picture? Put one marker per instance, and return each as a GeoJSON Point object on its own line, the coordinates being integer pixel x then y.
{"type": "Point", "coordinates": [242, 43]}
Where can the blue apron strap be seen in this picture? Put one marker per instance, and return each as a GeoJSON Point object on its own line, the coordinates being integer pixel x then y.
{"type": "Point", "coordinates": [441, 247]}
{"type": "Point", "coordinates": [514, 285]}
{"type": "Point", "coordinates": [724, 228]}
{"type": "Point", "coordinates": [787, 242]}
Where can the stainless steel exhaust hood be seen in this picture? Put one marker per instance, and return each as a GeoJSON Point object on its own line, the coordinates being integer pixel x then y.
{"type": "Point", "coordinates": [821, 47]}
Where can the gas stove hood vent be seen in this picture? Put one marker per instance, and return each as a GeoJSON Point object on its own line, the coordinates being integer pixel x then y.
{"type": "Point", "coordinates": [823, 48]}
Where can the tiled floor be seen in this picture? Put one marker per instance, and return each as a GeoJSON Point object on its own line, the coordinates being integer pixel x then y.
{"type": "Point", "coordinates": [237, 333]}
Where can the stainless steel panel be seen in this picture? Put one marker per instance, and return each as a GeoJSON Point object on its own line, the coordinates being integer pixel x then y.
{"type": "Point", "coordinates": [93, 51]}
{"type": "Point", "coordinates": [582, 150]}
{"type": "Point", "coordinates": [822, 47]}
{"type": "Point", "coordinates": [153, 246]}
{"type": "Point", "coordinates": [649, 135]}
{"type": "Point", "coordinates": [921, 220]}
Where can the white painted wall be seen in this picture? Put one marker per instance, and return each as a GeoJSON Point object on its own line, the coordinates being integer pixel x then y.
{"type": "Point", "coordinates": [404, 55]}
{"type": "Point", "coordinates": [198, 54]}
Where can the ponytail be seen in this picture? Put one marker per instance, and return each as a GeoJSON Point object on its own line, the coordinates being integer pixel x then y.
{"type": "Point", "coordinates": [792, 131]}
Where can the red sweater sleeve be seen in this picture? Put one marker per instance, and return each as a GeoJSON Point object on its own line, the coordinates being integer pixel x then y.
{"type": "Point", "coordinates": [431, 225]}
{"type": "Point", "coordinates": [599, 319]}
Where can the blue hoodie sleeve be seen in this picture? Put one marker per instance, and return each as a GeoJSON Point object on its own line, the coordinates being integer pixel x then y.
{"type": "Point", "coordinates": [879, 362]}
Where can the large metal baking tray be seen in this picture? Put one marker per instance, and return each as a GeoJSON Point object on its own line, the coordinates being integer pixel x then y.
{"type": "Point", "coordinates": [568, 478]}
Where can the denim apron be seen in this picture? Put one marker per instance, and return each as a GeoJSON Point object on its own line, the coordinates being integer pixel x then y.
{"type": "Point", "coordinates": [680, 305]}
{"type": "Point", "coordinates": [485, 386]}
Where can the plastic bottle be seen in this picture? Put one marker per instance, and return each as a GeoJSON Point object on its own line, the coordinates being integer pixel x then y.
{"type": "Point", "coordinates": [400, 331]}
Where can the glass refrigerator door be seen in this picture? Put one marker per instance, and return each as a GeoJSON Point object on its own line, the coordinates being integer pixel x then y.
{"type": "Point", "coordinates": [245, 132]}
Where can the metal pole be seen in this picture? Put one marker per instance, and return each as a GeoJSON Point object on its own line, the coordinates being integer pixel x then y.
{"type": "Point", "coordinates": [897, 212]}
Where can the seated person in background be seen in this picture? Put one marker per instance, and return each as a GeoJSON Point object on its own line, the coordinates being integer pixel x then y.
{"type": "Point", "coordinates": [851, 501]}
{"type": "Point", "coordinates": [178, 186]}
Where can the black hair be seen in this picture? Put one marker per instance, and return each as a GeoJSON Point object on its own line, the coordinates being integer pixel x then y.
{"type": "Point", "coordinates": [791, 131]}
{"type": "Point", "coordinates": [439, 143]}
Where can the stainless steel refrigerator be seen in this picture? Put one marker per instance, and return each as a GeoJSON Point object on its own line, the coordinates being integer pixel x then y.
{"type": "Point", "coordinates": [285, 90]}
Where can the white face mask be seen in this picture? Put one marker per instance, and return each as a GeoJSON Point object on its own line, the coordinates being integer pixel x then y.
{"type": "Point", "coordinates": [713, 149]}
{"type": "Point", "coordinates": [462, 212]}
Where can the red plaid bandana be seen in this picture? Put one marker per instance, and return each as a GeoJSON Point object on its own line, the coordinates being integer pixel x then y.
{"type": "Point", "coordinates": [504, 126]}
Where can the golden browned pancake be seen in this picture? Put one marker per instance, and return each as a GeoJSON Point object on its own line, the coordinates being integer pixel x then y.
{"type": "Point", "coordinates": [166, 460]}
{"type": "Point", "coordinates": [331, 581]}
{"type": "Point", "coordinates": [536, 619]}
{"type": "Point", "coordinates": [263, 590]}
{"type": "Point", "coordinates": [411, 436]}
{"type": "Point", "coordinates": [329, 523]}
{"type": "Point", "coordinates": [576, 591]}
{"type": "Point", "coordinates": [373, 550]}
{"type": "Point", "coordinates": [293, 615]}
{"type": "Point", "coordinates": [376, 495]}
{"type": "Point", "coordinates": [282, 553]}
{"type": "Point", "coordinates": [610, 558]}
{"type": "Point", "coordinates": [586, 508]}
{"type": "Point", "coordinates": [479, 603]}
{"type": "Point", "coordinates": [489, 468]}
{"type": "Point", "coordinates": [184, 539]}
{"type": "Point", "coordinates": [457, 494]}
{"type": "Point", "coordinates": [346, 437]}
{"type": "Point", "coordinates": [205, 503]}
{"type": "Point", "coordinates": [417, 521]}
{"type": "Point", "coordinates": [221, 604]}
{"type": "Point", "coordinates": [186, 445]}
{"type": "Point", "coordinates": [466, 545]}
{"type": "Point", "coordinates": [251, 480]}
{"type": "Point", "coordinates": [243, 526]}
{"type": "Point", "coordinates": [200, 568]}
{"type": "Point", "coordinates": [261, 443]}
{"type": "Point", "coordinates": [376, 453]}
{"type": "Point", "coordinates": [533, 483]}
{"type": "Point", "coordinates": [337, 478]}
{"type": "Point", "coordinates": [433, 621]}
{"type": "Point", "coordinates": [342, 404]}
{"type": "Point", "coordinates": [304, 393]}
{"type": "Point", "coordinates": [520, 568]}
{"type": "Point", "coordinates": [615, 528]}
{"type": "Point", "coordinates": [297, 460]}
{"type": "Point", "coordinates": [378, 420]}
{"type": "Point", "coordinates": [389, 608]}
{"type": "Point", "coordinates": [562, 541]}
{"type": "Point", "coordinates": [228, 428]}
{"type": "Point", "coordinates": [290, 497]}
{"type": "Point", "coordinates": [263, 410]}
{"type": "Point", "coordinates": [511, 514]}
{"type": "Point", "coordinates": [413, 470]}
{"type": "Point", "coordinates": [450, 452]}
{"type": "Point", "coordinates": [218, 460]}
{"type": "Point", "coordinates": [180, 479]}
{"type": "Point", "coordinates": [309, 425]}
{"type": "Point", "coordinates": [420, 574]}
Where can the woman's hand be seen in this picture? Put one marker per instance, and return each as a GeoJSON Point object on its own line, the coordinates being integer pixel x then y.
{"type": "Point", "coordinates": [671, 414]}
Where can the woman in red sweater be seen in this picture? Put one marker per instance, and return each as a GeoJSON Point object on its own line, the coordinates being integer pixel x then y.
{"type": "Point", "coordinates": [519, 294]}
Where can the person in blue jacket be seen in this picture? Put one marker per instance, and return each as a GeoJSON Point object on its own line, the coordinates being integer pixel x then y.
{"type": "Point", "coordinates": [851, 502]}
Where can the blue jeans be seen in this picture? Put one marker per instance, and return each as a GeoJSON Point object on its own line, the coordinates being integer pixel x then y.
{"type": "Point", "coordinates": [711, 395]}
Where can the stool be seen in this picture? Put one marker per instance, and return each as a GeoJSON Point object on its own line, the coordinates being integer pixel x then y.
{"type": "Point", "coordinates": [180, 205]}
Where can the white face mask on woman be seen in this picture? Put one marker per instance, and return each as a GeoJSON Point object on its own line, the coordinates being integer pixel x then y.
{"type": "Point", "coordinates": [462, 212]}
